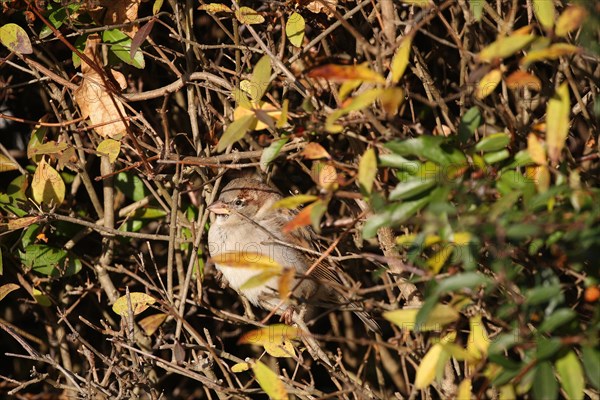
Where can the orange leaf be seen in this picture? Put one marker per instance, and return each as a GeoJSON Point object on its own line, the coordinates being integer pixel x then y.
{"type": "Point", "coordinates": [521, 79]}
{"type": "Point", "coordinates": [302, 219]}
{"type": "Point", "coordinates": [342, 73]}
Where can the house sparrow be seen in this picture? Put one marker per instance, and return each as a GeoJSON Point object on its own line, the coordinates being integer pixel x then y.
{"type": "Point", "coordinates": [247, 223]}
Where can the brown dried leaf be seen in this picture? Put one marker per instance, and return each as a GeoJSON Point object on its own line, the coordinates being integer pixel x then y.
{"type": "Point", "coordinates": [317, 6]}
{"type": "Point", "coordinates": [314, 151]}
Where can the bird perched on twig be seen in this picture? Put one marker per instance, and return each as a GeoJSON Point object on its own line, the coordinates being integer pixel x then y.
{"type": "Point", "coordinates": [247, 224]}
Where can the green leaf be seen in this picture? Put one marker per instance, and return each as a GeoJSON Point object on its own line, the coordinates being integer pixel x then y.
{"type": "Point", "coordinates": [495, 142]}
{"type": "Point", "coordinates": [271, 153]}
{"type": "Point", "coordinates": [496, 156]}
{"type": "Point", "coordinates": [294, 29]}
{"type": "Point", "coordinates": [558, 318]}
{"type": "Point", "coordinates": [50, 261]}
{"type": "Point", "coordinates": [571, 376]}
{"type": "Point", "coordinates": [58, 17]}
{"type": "Point", "coordinates": [121, 47]}
{"type": "Point", "coordinates": [544, 383]}
{"type": "Point", "coordinates": [540, 295]}
{"type": "Point", "coordinates": [236, 131]}
{"type": "Point", "coordinates": [393, 215]}
{"type": "Point", "coordinates": [131, 186]}
{"type": "Point", "coordinates": [469, 124]}
{"type": "Point", "coordinates": [466, 280]}
{"type": "Point", "coordinates": [430, 148]}
{"type": "Point", "coordinates": [367, 170]}
{"type": "Point", "coordinates": [397, 161]}
{"type": "Point", "coordinates": [591, 363]}
{"type": "Point", "coordinates": [547, 348]}
{"type": "Point", "coordinates": [15, 39]}
{"type": "Point", "coordinates": [411, 188]}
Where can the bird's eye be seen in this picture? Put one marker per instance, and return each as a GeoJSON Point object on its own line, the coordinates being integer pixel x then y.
{"type": "Point", "coordinates": [238, 202]}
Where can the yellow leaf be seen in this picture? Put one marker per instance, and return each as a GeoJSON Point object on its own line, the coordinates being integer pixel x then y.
{"type": "Point", "coordinates": [7, 288]}
{"type": "Point", "coordinates": [285, 349]}
{"type": "Point", "coordinates": [213, 8]}
{"type": "Point", "coordinates": [488, 83]}
{"type": "Point", "coordinates": [15, 39]}
{"type": "Point", "coordinates": [269, 381]}
{"type": "Point", "coordinates": [535, 149]}
{"type": "Point", "coordinates": [401, 59]}
{"type": "Point", "coordinates": [261, 77]}
{"type": "Point", "coordinates": [270, 334]}
{"type": "Point", "coordinates": [240, 367]}
{"type": "Point", "coordinates": [409, 239]}
{"type": "Point", "coordinates": [246, 15]}
{"type": "Point", "coordinates": [440, 316]}
{"type": "Point", "coordinates": [347, 87]}
{"type": "Point", "coordinates": [437, 261]}
{"type": "Point", "coordinates": [478, 341]}
{"type": "Point", "coordinates": [247, 259]}
{"type": "Point", "coordinates": [6, 164]}
{"type": "Point", "coordinates": [268, 110]}
{"type": "Point", "coordinates": [553, 52]}
{"type": "Point", "coordinates": [545, 13]}
{"type": "Point", "coordinates": [151, 323]}
{"type": "Point", "coordinates": [367, 170]}
{"type": "Point", "coordinates": [542, 178]}
{"type": "Point", "coordinates": [285, 283]}
{"type": "Point", "coordinates": [294, 29]}
{"type": "Point", "coordinates": [356, 103]}
{"type": "Point", "coordinates": [427, 369]}
{"type": "Point", "coordinates": [557, 122]}
{"type": "Point", "coordinates": [295, 201]}
{"type": "Point", "coordinates": [570, 19]}
{"type": "Point", "coordinates": [19, 223]}
{"type": "Point", "coordinates": [259, 279]}
{"type": "Point", "coordinates": [461, 238]}
{"type": "Point", "coordinates": [505, 47]}
{"type": "Point", "coordinates": [418, 3]}
{"type": "Point", "coordinates": [47, 187]}
{"type": "Point", "coordinates": [464, 390]}
{"type": "Point", "coordinates": [41, 298]}
{"type": "Point", "coordinates": [283, 117]}
{"type": "Point", "coordinates": [391, 99]}
{"type": "Point", "coordinates": [139, 303]}
{"type": "Point", "coordinates": [111, 148]}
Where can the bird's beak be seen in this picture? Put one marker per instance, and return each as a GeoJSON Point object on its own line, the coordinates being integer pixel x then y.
{"type": "Point", "coordinates": [219, 208]}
